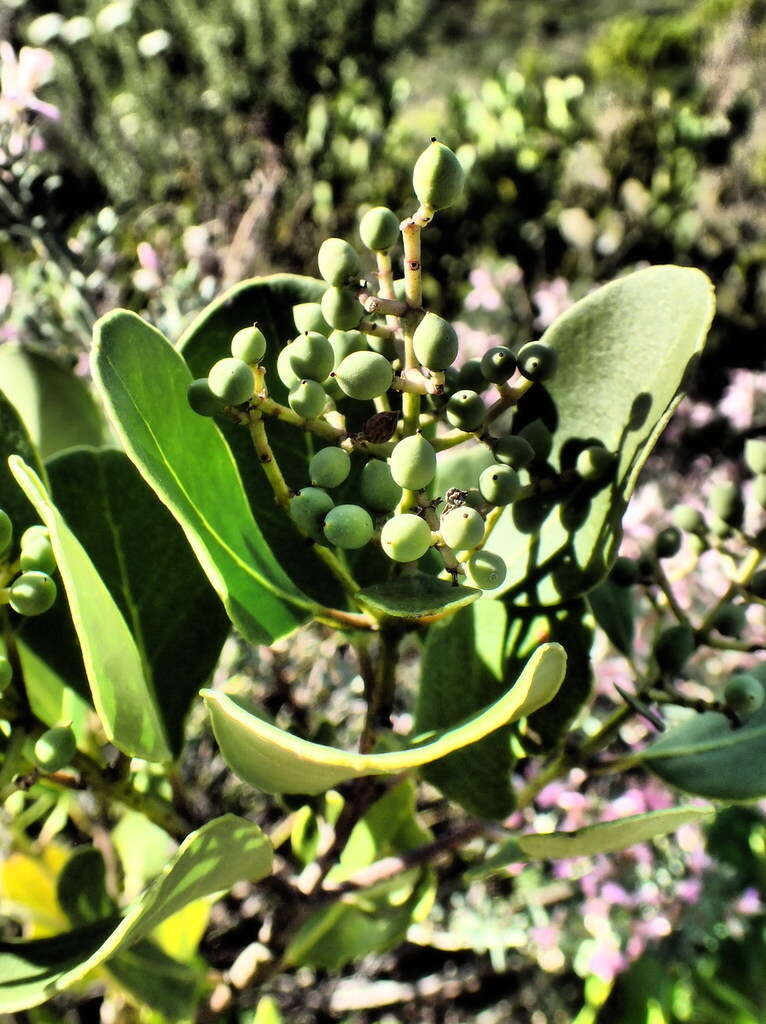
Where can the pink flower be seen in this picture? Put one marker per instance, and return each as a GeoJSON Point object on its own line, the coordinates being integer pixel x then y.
{"type": "Point", "coordinates": [19, 78]}
{"type": "Point", "coordinates": [551, 298]}
{"type": "Point", "coordinates": [606, 961]}
{"type": "Point", "coordinates": [749, 902]}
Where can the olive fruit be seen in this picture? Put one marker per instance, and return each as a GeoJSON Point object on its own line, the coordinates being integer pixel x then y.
{"type": "Point", "coordinates": [499, 484]}
{"type": "Point", "coordinates": [231, 380]}
{"type": "Point", "coordinates": [730, 619]}
{"type": "Point", "coordinates": [437, 177]}
{"type": "Point", "coordinates": [379, 229]}
{"type": "Point", "coordinates": [311, 356]}
{"type": "Point", "coordinates": [6, 531]}
{"type": "Point", "coordinates": [624, 572]}
{"type": "Point", "coordinates": [37, 551]}
{"type": "Point", "coordinates": [462, 528]}
{"type": "Point", "coordinates": [413, 463]}
{"type": "Point", "coordinates": [55, 748]}
{"type": "Point", "coordinates": [594, 463]}
{"type": "Point", "coordinates": [338, 261]}
{"type": "Point", "coordinates": [377, 487]}
{"type": "Point", "coordinates": [726, 503]}
{"type": "Point", "coordinates": [673, 648]}
{"type": "Point", "coordinates": [343, 343]}
{"type": "Point", "coordinates": [341, 309]}
{"type": "Point", "coordinates": [383, 346]}
{"type": "Point", "coordinates": [485, 570]}
{"type": "Point", "coordinates": [285, 371]}
{"type": "Point", "coordinates": [32, 593]}
{"type": "Point", "coordinates": [667, 543]}
{"type": "Point", "coordinates": [405, 537]}
{"type": "Point", "coordinates": [539, 438]}
{"type": "Point", "coordinates": [744, 694]}
{"type": "Point", "coordinates": [498, 364]}
{"type": "Point", "coordinates": [329, 467]}
{"type": "Point", "coordinates": [470, 377]}
{"type": "Point", "coordinates": [757, 584]}
{"type": "Point", "coordinates": [513, 451]}
{"type": "Point", "coordinates": [348, 526]}
{"type": "Point", "coordinates": [6, 673]}
{"type": "Point", "coordinates": [308, 317]}
{"type": "Point", "coordinates": [688, 519]}
{"type": "Point", "coordinates": [759, 489]}
{"type": "Point", "coordinates": [435, 342]}
{"type": "Point", "coordinates": [249, 345]}
{"type": "Point", "coordinates": [308, 398]}
{"type": "Point", "coordinates": [202, 400]}
{"type": "Point", "coordinates": [364, 375]}
{"type": "Point", "coordinates": [466, 410]}
{"type": "Point", "coordinates": [755, 455]}
{"type": "Point", "coordinates": [537, 361]}
{"type": "Point", "coordinates": [309, 508]}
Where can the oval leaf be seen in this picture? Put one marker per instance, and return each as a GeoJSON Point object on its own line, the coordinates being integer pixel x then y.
{"type": "Point", "coordinates": [416, 598]}
{"type": "Point", "coordinates": [278, 762]}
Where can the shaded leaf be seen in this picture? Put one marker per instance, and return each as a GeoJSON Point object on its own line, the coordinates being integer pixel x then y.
{"type": "Point", "coordinates": [81, 887]}
{"type": "Point", "coordinates": [612, 607]}
{"type": "Point", "coordinates": [416, 597]}
{"type": "Point", "coordinates": [156, 980]}
{"type": "Point", "coordinates": [15, 440]}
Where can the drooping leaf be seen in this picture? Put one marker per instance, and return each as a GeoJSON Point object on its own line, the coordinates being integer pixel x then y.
{"type": "Point", "coordinates": [705, 756]}
{"type": "Point", "coordinates": [416, 598]}
{"type": "Point", "coordinates": [612, 607]}
{"type": "Point", "coordinates": [186, 461]}
{"type": "Point", "coordinates": [212, 859]}
{"type": "Point", "coordinates": [463, 670]}
{"type": "Point", "coordinates": [15, 440]}
{"type": "Point", "coordinates": [624, 355]}
{"type": "Point", "coordinates": [56, 406]}
{"type": "Point", "coordinates": [278, 762]}
{"type": "Point", "coordinates": [122, 695]}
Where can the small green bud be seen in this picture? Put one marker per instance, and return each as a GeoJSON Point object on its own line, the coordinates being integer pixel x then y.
{"type": "Point", "coordinates": [462, 528]}
{"type": "Point", "coordinates": [284, 370]}
{"type": "Point", "coordinates": [37, 551]}
{"type": "Point", "coordinates": [202, 400]}
{"type": "Point", "coordinates": [308, 398]}
{"type": "Point", "coordinates": [32, 593]}
{"type": "Point", "coordinates": [309, 508]}
{"type": "Point", "coordinates": [344, 343]}
{"type": "Point", "coordinates": [539, 438]}
{"type": "Point", "coordinates": [55, 748]}
{"type": "Point", "coordinates": [744, 694]}
{"type": "Point", "coordinates": [249, 345]}
{"type": "Point", "coordinates": [329, 467]}
{"type": "Point", "coordinates": [755, 455]}
{"type": "Point", "coordinates": [594, 463]}
{"type": "Point", "coordinates": [348, 526]}
{"type": "Point", "coordinates": [379, 229]}
{"type": "Point", "coordinates": [364, 375]}
{"type": "Point", "coordinates": [513, 451]}
{"type": "Point", "coordinates": [624, 572]}
{"type": "Point", "coordinates": [673, 648]}
{"type": "Point", "coordinates": [341, 309]}
{"type": "Point", "coordinates": [499, 484]}
{"type": "Point", "coordinates": [308, 317]}
{"type": "Point", "coordinates": [466, 410]}
{"type": "Point", "coordinates": [730, 619]}
{"type": "Point", "coordinates": [338, 262]}
{"type": "Point", "coordinates": [537, 361]}
{"type": "Point", "coordinates": [435, 342]}
{"type": "Point", "coordinates": [498, 364]}
{"type": "Point", "coordinates": [6, 673]}
{"type": "Point", "coordinates": [377, 487]}
{"type": "Point", "coordinates": [485, 570]}
{"type": "Point", "coordinates": [688, 519]}
{"type": "Point", "coordinates": [668, 542]}
{"type": "Point", "coordinates": [405, 537]}
{"type": "Point", "coordinates": [6, 531]}
{"type": "Point", "coordinates": [757, 584]}
{"type": "Point", "coordinates": [437, 177]}
{"type": "Point", "coordinates": [726, 503]}
{"type": "Point", "coordinates": [311, 356]}
{"type": "Point", "coordinates": [413, 463]}
{"type": "Point", "coordinates": [232, 381]}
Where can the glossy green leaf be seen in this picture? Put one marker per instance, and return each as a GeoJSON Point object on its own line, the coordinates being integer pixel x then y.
{"type": "Point", "coordinates": [612, 607]}
{"type": "Point", "coordinates": [56, 406]}
{"type": "Point", "coordinates": [462, 670]}
{"type": "Point", "coordinates": [706, 757]}
{"type": "Point", "coordinates": [186, 461]}
{"type": "Point", "coordinates": [416, 598]}
{"type": "Point", "coordinates": [81, 887]}
{"type": "Point", "coordinates": [157, 981]}
{"type": "Point", "coordinates": [15, 440]}
{"type": "Point", "coordinates": [624, 355]}
{"type": "Point", "coordinates": [278, 762]}
{"type": "Point", "coordinates": [212, 859]}
{"type": "Point", "coordinates": [122, 695]}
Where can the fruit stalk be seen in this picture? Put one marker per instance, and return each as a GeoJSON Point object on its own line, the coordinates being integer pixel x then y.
{"type": "Point", "coordinates": [413, 293]}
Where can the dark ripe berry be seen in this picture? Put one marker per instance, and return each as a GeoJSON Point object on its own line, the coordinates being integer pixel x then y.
{"type": "Point", "coordinates": [437, 177]}
{"type": "Point", "coordinates": [539, 438]}
{"type": "Point", "coordinates": [309, 508]}
{"type": "Point", "coordinates": [646, 569]}
{"type": "Point", "coordinates": [668, 542]}
{"type": "Point", "coordinates": [405, 537]}
{"type": "Point", "coordinates": [364, 375]}
{"type": "Point", "coordinates": [726, 503]}
{"type": "Point", "coordinates": [32, 593]}
{"type": "Point", "coordinates": [466, 410]}
{"type": "Point", "coordinates": [380, 427]}
{"type": "Point", "coordinates": [6, 531]}
{"type": "Point", "coordinates": [673, 648]}
{"type": "Point", "coordinates": [338, 261]}
{"type": "Point", "coordinates": [462, 528]}
{"type": "Point", "coordinates": [624, 572]}
{"type": "Point", "coordinates": [343, 343]}
{"type": "Point", "coordinates": [759, 489]}
{"type": "Point", "coordinates": [249, 345]}
{"type": "Point", "coordinates": [202, 400]}
{"type": "Point", "coordinates": [688, 519]}
{"type": "Point", "coordinates": [377, 488]}
{"type": "Point", "coordinates": [6, 673]}
{"type": "Point", "coordinates": [37, 551]}
{"type": "Point", "coordinates": [435, 342]}
{"type": "Point", "coordinates": [744, 694]}
{"type": "Point", "coordinates": [311, 356]}
{"type": "Point", "coordinates": [757, 584]}
{"type": "Point", "coordinates": [329, 467]}
{"type": "Point", "coordinates": [499, 484]}
{"type": "Point", "coordinates": [513, 451]}
{"type": "Point", "coordinates": [348, 526]}
{"type": "Point", "coordinates": [594, 463]}
{"type": "Point", "coordinates": [537, 361]}
{"type": "Point", "coordinates": [755, 455]}
{"type": "Point", "coordinates": [485, 570]}
{"type": "Point", "coordinates": [55, 748]}
{"type": "Point", "coordinates": [498, 364]}
{"type": "Point", "coordinates": [308, 317]}
{"type": "Point", "coordinates": [308, 398]}
{"type": "Point", "coordinates": [341, 309]}
{"type": "Point", "coordinates": [730, 619]}
{"type": "Point", "coordinates": [232, 381]}
{"type": "Point", "coordinates": [413, 462]}
{"type": "Point", "coordinates": [379, 229]}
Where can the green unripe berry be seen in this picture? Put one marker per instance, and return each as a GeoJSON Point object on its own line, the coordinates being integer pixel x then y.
{"type": "Point", "coordinates": [202, 400]}
{"type": "Point", "coordinates": [308, 398]}
{"type": "Point", "coordinates": [285, 371]}
{"type": "Point", "coordinates": [329, 467]}
{"type": "Point", "coordinates": [378, 488]}
{"type": "Point", "coordinates": [759, 489]}
{"type": "Point", "coordinates": [341, 309]}
{"type": "Point", "coordinates": [688, 519]}
{"type": "Point", "coordinates": [338, 261]}
{"type": "Point", "coordinates": [594, 463]}
{"type": "Point", "coordinates": [232, 381]}
{"type": "Point", "coordinates": [466, 410]}
{"type": "Point", "coordinates": [55, 748]}
{"type": "Point", "coordinates": [311, 356]}
{"type": "Point", "coordinates": [309, 508]}
{"type": "Point", "coordinates": [624, 572]}
{"type": "Point", "coordinates": [32, 593]}
{"type": "Point", "coordinates": [308, 317]}
{"type": "Point", "coordinates": [364, 375]}
{"type": "Point", "coordinates": [344, 343]}
{"type": "Point", "coordinates": [539, 438]}
{"type": "Point", "coordinates": [668, 542]}
{"type": "Point", "coordinates": [513, 451]}
{"type": "Point", "coordinates": [348, 526]}
{"type": "Point", "coordinates": [719, 528]}
{"type": "Point", "coordinates": [462, 528]}
{"type": "Point", "coordinates": [6, 531]}
{"type": "Point", "coordinates": [537, 361]}
{"type": "Point", "coordinates": [435, 342]}
{"type": "Point", "coordinates": [730, 619]}
{"type": "Point", "coordinates": [726, 503]}
{"type": "Point", "coordinates": [470, 377]}
{"type": "Point", "coordinates": [673, 648]}
{"type": "Point", "coordinates": [744, 694]}
{"type": "Point", "coordinates": [499, 484]}
{"type": "Point", "coordinates": [757, 584]}
{"type": "Point", "coordinates": [405, 537]}
{"type": "Point", "coordinates": [498, 364]}
{"type": "Point", "coordinates": [6, 673]}
{"type": "Point", "coordinates": [755, 455]}
{"type": "Point", "coordinates": [413, 463]}
{"type": "Point", "coordinates": [437, 177]}
{"type": "Point", "coordinates": [37, 551]}
{"type": "Point", "coordinates": [383, 346]}
{"type": "Point", "coordinates": [249, 345]}
{"type": "Point", "coordinates": [379, 229]}
{"type": "Point", "coordinates": [485, 570]}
